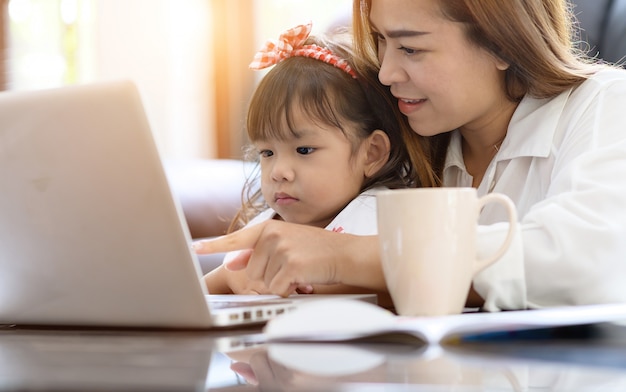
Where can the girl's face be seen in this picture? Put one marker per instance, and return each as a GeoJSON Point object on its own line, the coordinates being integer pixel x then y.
{"type": "Point", "coordinates": [310, 177]}
{"type": "Point", "coordinates": [442, 80]}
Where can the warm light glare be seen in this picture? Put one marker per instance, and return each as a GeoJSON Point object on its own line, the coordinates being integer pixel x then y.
{"type": "Point", "coordinates": [19, 10]}
{"type": "Point", "coordinates": [42, 69]}
{"type": "Point", "coordinates": [69, 11]}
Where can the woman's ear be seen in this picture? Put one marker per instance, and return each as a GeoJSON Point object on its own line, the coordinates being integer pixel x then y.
{"type": "Point", "coordinates": [377, 148]}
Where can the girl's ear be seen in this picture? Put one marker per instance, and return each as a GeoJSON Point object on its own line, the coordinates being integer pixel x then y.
{"type": "Point", "coordinates": [377, 148]}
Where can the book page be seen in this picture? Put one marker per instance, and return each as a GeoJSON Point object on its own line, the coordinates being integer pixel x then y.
{"type": "Point", "coordinates": [345, 320]}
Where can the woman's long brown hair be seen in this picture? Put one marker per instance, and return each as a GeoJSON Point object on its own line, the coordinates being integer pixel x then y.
{"type": "Point", "coordinates": [535, 37]}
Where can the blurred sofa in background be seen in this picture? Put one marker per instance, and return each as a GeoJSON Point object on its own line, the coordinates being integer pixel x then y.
{"type": "Point", "coordinates": [603, 28]}
{"type": "Point", "coordinates": [209, 191]}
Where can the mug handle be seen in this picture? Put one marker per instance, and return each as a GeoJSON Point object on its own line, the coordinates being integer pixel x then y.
{"type": "Point", "coordinates": [512, 212]}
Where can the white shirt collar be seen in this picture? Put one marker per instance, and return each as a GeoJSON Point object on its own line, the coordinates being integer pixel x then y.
{"type": "Point", "coordinates": [530, 133]}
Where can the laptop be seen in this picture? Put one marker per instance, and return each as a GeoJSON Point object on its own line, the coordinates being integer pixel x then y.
{"type": "Point", "coordinates": [90, 231]}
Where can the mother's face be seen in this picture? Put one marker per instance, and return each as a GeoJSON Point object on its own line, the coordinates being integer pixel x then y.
{"type": "Point", "coordinates": [441, 79]}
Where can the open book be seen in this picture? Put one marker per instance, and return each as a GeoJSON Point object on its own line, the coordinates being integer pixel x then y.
{"type": "Point", "coordinates": [346, 320]}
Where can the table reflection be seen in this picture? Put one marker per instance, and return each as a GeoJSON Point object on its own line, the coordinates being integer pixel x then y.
{"type": "Point", "coordinates": [74, 360]}
{"type": "Point", "coordinates": [371, 367]}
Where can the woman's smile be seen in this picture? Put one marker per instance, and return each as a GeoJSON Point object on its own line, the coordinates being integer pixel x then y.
{"type": "Point", "coordinates": [408, 106]}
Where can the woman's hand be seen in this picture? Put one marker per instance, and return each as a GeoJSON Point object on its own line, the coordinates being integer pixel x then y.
{"type": "Point", "coordinates": [285, 256]}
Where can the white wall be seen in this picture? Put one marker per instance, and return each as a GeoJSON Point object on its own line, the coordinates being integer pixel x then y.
{"type": "Point", "coordinates": [163, 45]}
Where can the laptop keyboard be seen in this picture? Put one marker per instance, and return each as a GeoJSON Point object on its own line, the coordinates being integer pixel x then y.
{"type": "Point", "coordinates": [242, 304]}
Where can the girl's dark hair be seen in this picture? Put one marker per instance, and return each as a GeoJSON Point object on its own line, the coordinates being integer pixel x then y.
{"type": "Point", "coordinates": [330, 96]}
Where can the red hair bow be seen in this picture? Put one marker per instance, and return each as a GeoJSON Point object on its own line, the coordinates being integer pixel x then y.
{"type": "Point", "coordinates": [291, 44]}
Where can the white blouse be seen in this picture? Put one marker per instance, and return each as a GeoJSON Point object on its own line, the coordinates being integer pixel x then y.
{"type": "Point", "coordinates": [563, 163]}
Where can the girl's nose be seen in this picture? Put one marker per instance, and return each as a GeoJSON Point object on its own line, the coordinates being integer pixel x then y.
{"type": "Point", "coordinates": [282, 170]}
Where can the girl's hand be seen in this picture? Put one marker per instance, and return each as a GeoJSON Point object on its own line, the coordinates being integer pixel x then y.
{"type": "Point", "coordinates": [223, 281]}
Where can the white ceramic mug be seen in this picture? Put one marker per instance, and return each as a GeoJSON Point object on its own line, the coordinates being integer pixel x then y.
{"type": "Point", "coordinates": [428, 246]}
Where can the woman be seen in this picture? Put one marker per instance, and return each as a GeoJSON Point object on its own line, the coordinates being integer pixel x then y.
{"type": "Point", "coordinates": [499, 87]}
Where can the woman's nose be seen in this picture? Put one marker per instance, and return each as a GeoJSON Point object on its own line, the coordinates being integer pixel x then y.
{"type": "Point", "coordinates": [390, 71]}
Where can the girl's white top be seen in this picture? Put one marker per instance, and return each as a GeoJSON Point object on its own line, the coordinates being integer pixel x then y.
{"type": "Point", "coordinates": [358, 217]}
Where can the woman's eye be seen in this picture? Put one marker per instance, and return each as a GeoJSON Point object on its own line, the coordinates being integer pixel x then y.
{"type": "Point", "coordinates": [408, 50]}
{"type": "Point", "coordinates": [304, 150]}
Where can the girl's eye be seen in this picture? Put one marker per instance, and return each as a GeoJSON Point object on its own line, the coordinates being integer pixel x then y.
{"type": "Point", "coordinates": [305, 150]}
{"type": "Point", "coordinates": [266, 153]}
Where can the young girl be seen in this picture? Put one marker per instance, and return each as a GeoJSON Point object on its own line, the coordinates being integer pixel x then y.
{"type": "Point", "coordinates": [326, 140]}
